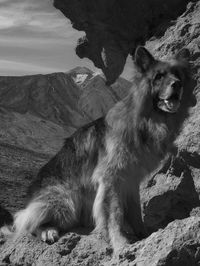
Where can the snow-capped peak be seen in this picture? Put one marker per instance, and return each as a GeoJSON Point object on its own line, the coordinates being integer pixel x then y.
{"type": "Point", "coordinates": [80, 78]}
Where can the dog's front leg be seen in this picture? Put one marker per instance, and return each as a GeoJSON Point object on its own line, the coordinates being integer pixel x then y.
{"type": "Point", "coordinates": [116, 219]}
{"type": "Point", "coordinates": [100, 211]}
{"type": "Point", "coordinates": [108, 212]}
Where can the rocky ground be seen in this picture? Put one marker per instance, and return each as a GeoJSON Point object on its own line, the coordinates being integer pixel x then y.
{"type": "Point", "coordinates": [170, 199]}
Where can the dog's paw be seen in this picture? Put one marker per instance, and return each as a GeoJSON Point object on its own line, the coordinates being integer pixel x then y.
{"type": "Point", "coordinates": [49, 235]}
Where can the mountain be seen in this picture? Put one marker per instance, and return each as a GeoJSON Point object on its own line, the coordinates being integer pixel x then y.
{"type": "Point", "coordinates": [37, 112]}
{"type": "Point", "coordinates": [81, 75]}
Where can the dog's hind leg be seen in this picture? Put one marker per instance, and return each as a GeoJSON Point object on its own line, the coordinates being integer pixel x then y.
{"type": "Point", "coordinates": [55, 209]}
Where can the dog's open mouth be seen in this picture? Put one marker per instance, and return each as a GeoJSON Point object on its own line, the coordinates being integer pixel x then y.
{"type": "Point", "coordinates": [171, 104]}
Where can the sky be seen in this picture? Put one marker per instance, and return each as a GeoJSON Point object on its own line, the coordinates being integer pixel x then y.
{"type": "Point", "coordinates": [36, 38]}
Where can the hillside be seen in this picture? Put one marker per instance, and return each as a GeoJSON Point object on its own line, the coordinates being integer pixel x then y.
{"type": "Point", "coordinates": [37, 112]}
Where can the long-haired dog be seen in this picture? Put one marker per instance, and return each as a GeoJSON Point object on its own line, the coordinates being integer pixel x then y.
{"type": "Point", "coordinates": [96, 175]}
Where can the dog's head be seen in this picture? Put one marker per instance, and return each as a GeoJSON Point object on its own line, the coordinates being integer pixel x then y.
{"type": "Point", "coordinates": [166, 79]}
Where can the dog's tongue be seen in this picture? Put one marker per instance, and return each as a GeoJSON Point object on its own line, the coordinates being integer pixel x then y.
{"type": "Point", "coordinates": [172, 105]}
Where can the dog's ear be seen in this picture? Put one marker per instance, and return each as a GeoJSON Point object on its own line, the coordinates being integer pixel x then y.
{"type": "Point", "coordinates": [143, 59]}
{"type": "Point", "coordinates": [183, 55]}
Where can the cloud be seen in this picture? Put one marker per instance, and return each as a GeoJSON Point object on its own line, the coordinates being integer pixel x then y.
{"type": "Point", "coordinates": [33, 36]}
{"type": "Point", "coordinates": [36, 14]}
{"type": "Point", "coordinates": [15, 68]}
{"type": "Point", "coordinates": [20, 56]}
{"type": "Point", "coordinates": [12, 13]}
{"type": "Point", "coordinates": [37, 38]}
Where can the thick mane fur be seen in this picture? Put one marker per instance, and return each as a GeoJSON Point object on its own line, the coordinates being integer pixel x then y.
{"type": "Point", "coordinates": [136, 120]}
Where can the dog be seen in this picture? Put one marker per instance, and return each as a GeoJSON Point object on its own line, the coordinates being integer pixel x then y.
{"type": "Point", "coordinates": [94, 179]}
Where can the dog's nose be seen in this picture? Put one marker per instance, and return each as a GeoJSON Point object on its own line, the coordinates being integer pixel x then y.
{"type": "Point", "coordinates": [176, 85]}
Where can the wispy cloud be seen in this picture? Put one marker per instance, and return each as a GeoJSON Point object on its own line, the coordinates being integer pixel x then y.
{"type": "Point", "coordinates": [35, 37]}
{"type": "Point", "coordinates": [36, 14]}
{"type": "Point", "coordinates": [14, 68]}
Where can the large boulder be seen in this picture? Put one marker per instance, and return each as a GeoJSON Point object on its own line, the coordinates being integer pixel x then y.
{"type": "Point", "coordinates": [176, 245]}
{"type": "Point", "coordinates": [168, 195]}
{"type": "Point", "coordinates": [114, 28]}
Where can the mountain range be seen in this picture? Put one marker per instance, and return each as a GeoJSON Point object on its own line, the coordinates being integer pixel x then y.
{"type": "Point", "coordinates": [38, 111]}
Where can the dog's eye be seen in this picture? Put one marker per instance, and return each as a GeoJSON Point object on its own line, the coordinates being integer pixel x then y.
{"type": "Point", "coordinates": [158, 76]}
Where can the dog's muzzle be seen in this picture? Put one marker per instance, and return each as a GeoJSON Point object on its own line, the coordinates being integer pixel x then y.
{"type": "Point", "coordinates": [171, 103]}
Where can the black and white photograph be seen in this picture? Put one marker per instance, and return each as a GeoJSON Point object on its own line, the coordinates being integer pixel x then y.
{"type": "Point", "coordinates": [99, 132]}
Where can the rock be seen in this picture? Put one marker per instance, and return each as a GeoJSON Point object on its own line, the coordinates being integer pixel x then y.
{"type": "Point", "coordinates": [71, 249]}
{"type": "Point", "coordinates": [176, 245]}
{"type": "Point", "coordinates": [168, 196]}
{"type": "Point", "coordinates": [195, 212]}
{"type": "Point", "coordinates": [114, 28]}
{"type": "Point", "coordinates": [185, 33]}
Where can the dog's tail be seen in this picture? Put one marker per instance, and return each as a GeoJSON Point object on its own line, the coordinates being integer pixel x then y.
{"type": "Point", "coordinates": [55, 204]}
{"type": "Point", "coordinates": [30, 218]}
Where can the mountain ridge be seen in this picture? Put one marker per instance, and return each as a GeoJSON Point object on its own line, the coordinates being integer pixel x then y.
{"type": "Point", "coordinates": [45, 108]}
